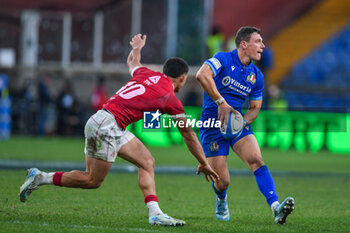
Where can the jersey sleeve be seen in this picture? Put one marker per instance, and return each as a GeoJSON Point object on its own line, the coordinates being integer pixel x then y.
{"type": "Point", "coordinates": [257, 91]}
{"type": "Point", "coordinates": [216, 63]}
{"type": "Point", "coordinates": [174, 107]}
{"type": "Point", "coordinates": [140, 70]}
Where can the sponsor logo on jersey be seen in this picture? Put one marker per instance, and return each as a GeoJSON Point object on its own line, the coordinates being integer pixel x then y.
{"type": "Point", "coordinates": [251, 78]}
{"type": "Point", "coordinates": [226, 81]}
{"type": "Point", "coordinates": [235, 85]}
{"type": "Point", "coordinates": [233, 68]}
{"type": "Point", "coordinates": [151, 120]}
{"type": "Point", "coordinates": [215, 62]}
{"type": "Point", "coordinates": [154, 79]}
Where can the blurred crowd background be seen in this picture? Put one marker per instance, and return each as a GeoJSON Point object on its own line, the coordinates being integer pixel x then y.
{"type": "Point", "coordinates": [60, 60]}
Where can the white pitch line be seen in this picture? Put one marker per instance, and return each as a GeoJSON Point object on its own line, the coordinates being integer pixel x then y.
{"type": "Point", "coordinates": [132, 229]}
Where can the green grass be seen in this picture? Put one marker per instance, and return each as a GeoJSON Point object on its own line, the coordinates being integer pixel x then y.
{"type": "Point", "coordinates": [72, 149]}
{"type": "Point", "coordinates": [322, 203]}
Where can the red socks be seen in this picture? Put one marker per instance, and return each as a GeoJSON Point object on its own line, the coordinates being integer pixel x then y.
{"type": "Point", "coordinates": [150, 198]}
{"type": "Point", "coordinates": [57, 177]}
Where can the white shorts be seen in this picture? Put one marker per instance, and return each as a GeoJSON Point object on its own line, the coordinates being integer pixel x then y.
{"type": "Point", "coordinates": [103, 136]}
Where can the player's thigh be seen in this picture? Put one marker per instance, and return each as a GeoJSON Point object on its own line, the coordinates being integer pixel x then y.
{"type": "Point", "coordinates": [103, 136]}
{"type": "Point", "coordinates": [136, 152]}
{"type": "Point", "coordinates": [219, 165]}
{"type": "Point", "coordinates": [97, 169]}
{"type": "Point", "coordinates": [213, 143]}
{"type": "Point", "coordinates": [247, 148]}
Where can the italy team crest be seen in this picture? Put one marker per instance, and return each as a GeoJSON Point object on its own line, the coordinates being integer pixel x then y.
{"type": "Point", "coordinates": [251, 78]}
{"type": "Point", "coordinates": [214, 146]}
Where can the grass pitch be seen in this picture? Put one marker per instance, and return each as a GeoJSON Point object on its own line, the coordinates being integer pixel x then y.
{"type": "Point", "coordinates": [322, 203]}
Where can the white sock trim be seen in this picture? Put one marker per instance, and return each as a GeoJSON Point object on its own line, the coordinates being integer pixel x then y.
{"type": "Point", "coordinates": [274, 205]}
{"type": "Point", "coordinates": [224, 199]}
{"type": "Point", "coordinates": [47, 178]}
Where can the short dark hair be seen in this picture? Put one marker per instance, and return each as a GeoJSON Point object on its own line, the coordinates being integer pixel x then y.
{"type": "Point", "coordinates": [175, 67]}
{"type": "Point", "coordinates": [244, 33]}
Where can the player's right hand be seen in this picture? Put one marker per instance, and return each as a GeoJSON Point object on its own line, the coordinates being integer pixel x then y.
{"type": "Point", "coordinates": [224, 111]}
{"type": "Point", "coordinates": [208, 172]}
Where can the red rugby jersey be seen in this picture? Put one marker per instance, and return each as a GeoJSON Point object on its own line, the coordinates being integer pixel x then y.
{"type": "Point", "coordinates": [147, 90]}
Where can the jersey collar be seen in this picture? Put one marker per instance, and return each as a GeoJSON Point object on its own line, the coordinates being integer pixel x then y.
{"type": "Point", "coordinates": [237, 61]}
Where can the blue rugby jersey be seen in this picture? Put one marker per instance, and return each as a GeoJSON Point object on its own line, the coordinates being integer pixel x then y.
{"type": "Point", "coordinates": [234, 81]}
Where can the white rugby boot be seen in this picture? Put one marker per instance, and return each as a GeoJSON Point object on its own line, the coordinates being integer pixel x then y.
{"type": "Point", "coordinates": [281, 211]}
{"type": "Point", "coordinates": [30, 184]}
{"type": "Point", "coordinates": [165, 220]}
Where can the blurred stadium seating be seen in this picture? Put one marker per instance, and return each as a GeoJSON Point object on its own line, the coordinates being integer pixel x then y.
{"type": "Point", "coordinates": [321, 79]}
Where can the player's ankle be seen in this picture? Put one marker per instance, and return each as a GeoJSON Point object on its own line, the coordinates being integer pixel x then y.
{"type": "Point", "coordinates": [46, 178]}
{"type": "Point", "coordinates": [274, 205]}
{"type": "Point", "coordinates": [151, 202]}
{"type": "Point", "coordinates": [153, 208]}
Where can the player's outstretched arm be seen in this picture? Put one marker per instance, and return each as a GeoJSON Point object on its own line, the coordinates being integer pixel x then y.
{"type": "Point", "coordinates": [205, 76]}
{"type": "Point", "coordinates": [195, 148]}
{"type": "Point", "coordinates": [134, 58]}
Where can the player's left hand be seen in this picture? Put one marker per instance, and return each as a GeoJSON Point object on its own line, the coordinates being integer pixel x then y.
{"type": "Point", "coordinates": [138, 41]}
{"type": "Point", "coordinates": [208, 172]}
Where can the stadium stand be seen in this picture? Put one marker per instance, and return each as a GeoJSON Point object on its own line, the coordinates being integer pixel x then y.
{"type": "Point", "coordinates": [322, 78]}
{"type": "Point", "coordinates": [307, 33]}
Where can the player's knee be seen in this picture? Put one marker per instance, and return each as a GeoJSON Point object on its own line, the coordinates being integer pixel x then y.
{"type": "Point", "coordinates": [254, 162]}
{"type": "Point", "coordinates": [94, 184]}
{"type": "Point", "coordinates": [149, 163]}
{"type": "Point", "coordinates": [223, 183]}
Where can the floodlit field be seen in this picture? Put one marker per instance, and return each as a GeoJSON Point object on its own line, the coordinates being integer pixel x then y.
{"type": "Point", "coordinates": [320, 186]}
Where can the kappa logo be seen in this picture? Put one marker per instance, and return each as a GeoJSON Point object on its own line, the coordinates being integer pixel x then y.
{"type": "Point", "coordinates": [233, 68]}
{"type": "Point", "coordinates": [151, 120]}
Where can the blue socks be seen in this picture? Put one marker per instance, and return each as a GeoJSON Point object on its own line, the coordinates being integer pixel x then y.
{"type": "Point", "coordinates": [266, 184]}
{"type": "Point", "coordinates": [220, 195]}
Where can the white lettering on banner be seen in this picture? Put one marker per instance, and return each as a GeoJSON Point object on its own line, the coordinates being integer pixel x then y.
{"type": "Point", "coordinates": [209, 123]}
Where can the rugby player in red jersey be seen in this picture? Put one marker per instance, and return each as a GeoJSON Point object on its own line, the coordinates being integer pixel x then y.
{"type": "Point", "coordinates": [106, 136]}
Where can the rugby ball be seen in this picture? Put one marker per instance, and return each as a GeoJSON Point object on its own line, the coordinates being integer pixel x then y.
{"type": "Point", "coordinates": [233, 127]}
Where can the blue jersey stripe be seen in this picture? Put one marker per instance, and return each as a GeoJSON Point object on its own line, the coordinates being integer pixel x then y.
{"type": "Point", "coordinates": [255, 98]}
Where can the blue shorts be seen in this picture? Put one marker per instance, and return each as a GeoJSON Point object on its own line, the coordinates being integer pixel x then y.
{"type": "Point", "coordinates": [215, 144]}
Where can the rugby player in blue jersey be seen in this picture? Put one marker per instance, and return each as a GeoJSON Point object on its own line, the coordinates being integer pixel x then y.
{"type": "Point", "coordinates": [228, 79]}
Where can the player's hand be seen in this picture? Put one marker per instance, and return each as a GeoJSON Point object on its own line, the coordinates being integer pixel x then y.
{"type": "Point", "coordinates": [138, 41]}
{"type": "Point", "coordinates": [208, 172]}
{"type": "Point", "coordinates": [223, 112]}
